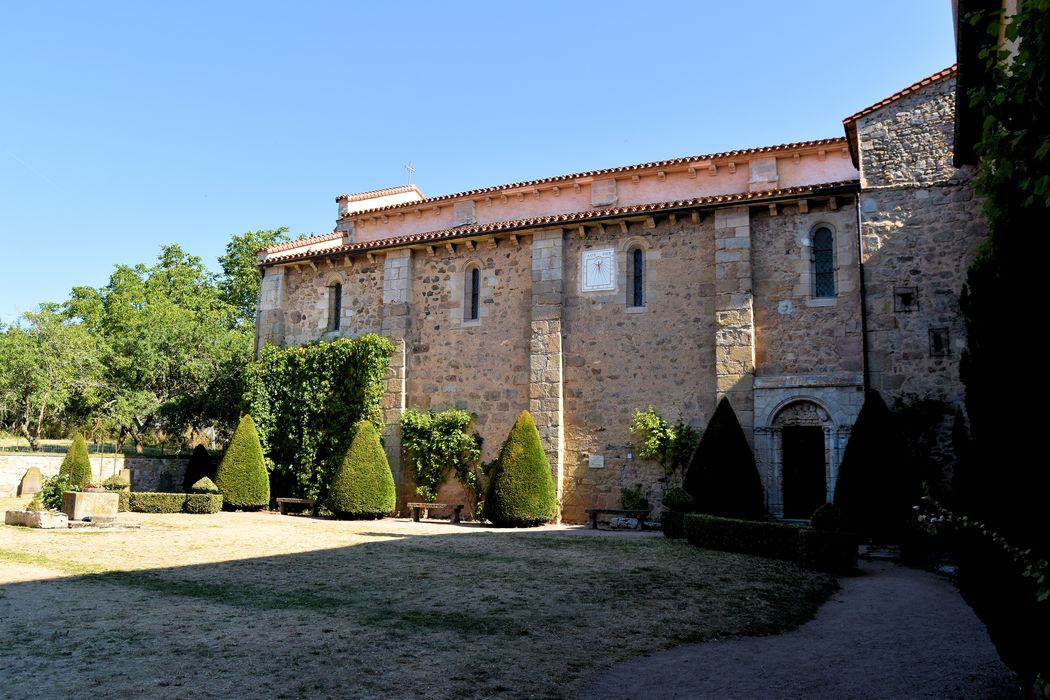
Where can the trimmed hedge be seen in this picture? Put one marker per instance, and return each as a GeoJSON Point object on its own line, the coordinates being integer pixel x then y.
{"type": "Point", "coordinates": [363, 486]}
{"type": "Point", "coordinates": [204, 485]}
{"type": "Point", "coordinates": [520, 489]}
{"type": "Point", "coordinates": [242, 476]}
{"type": "Point", "coordinates": [146, 502]}
{"type": "Point", "coordinates": [812, 548]}
{"type": "Point", "coordinates": [76, 464]}
{"type": "Point", "coordinates": [677, 503]}
{"type": "Point", "coordinates": [722, 475]}
{"type": "Point", "coordinates": [673, 524]}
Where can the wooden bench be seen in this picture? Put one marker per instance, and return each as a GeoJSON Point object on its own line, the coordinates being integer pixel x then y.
{"type": "Point", "coordinates": [297, 505]}
{"type": "Point", "coordinates": [418, 508]}
{"type": "Point", "coordinates": [593, 514]}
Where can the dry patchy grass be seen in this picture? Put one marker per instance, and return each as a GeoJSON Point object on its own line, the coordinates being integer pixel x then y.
{"type": "Point", "coordinates": [260, 604]}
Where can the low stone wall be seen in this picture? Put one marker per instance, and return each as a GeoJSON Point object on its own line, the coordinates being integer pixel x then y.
{"type": "Point", "coordinates": [147, 474]}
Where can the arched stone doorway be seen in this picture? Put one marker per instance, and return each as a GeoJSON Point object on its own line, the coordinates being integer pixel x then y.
{"type": "Point", "coordinates": [800, 449]}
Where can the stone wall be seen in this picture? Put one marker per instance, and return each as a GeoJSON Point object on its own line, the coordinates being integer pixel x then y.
{"type": "Point", "coordinates": [920, 231]}
{"type": "Point", "coordinates": [911, 140]}
{"type": "Point", "coordinates": [146, 474]}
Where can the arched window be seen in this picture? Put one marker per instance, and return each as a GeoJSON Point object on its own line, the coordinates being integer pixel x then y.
{"type": "Point", "coordinates": [472, 293]}
{"type": "Point", "coordinates": [823, 263]}
{"type": "Point", "coordinates": [635, 277]}
{"type": "Point", "coordinates": [335, 305]}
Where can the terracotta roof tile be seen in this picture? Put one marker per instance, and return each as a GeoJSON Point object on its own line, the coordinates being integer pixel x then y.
{"type": "Point", "coordinates": [372, 194]}
{"type": "Point", "coordinates": [610, 171]}
{"type": "Point", "coordinates": [928, 80]}
{"type": "Point", "coordinates": [555, 219]}
{"type": "Point", "coordinates": [301, 242]}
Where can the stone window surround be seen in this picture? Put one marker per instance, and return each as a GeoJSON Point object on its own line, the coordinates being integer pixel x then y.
{"type": "Point", "coordinates": [333, 279]}
{"type": "Point", "coordinates": [460, 291]}
{"type": "Point", "coordinates": [808, 277]}
{"type": "Point", "coordinates": [627, 247]}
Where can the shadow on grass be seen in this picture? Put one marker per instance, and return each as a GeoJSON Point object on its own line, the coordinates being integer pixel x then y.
{"type": "Point", "coordinates": [467, 615]}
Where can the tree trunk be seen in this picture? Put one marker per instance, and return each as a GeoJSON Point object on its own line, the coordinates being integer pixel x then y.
{"type": "Point", "coordinates": [34, 443]}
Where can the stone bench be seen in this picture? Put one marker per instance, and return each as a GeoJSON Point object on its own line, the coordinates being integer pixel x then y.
{"type": "Point", "coordinates": [593, 513]}
{"type": "Point", "coordinates": [297, 505]}
{"type": "Point", "coordinates": [423, 508]}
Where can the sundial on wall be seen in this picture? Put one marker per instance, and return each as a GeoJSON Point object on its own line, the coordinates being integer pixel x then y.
{"type": "Point", "coordinates": [598, 270]}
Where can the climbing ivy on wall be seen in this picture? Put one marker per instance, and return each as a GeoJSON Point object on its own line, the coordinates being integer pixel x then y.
{"type": "Point", "coordinates": [436, 444]}
{"type": "Point", "coordinates": [305, 401]}
{"type": "Point", "coordinates": [671, 446]}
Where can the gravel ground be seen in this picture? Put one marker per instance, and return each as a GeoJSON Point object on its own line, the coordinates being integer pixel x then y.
{"type": "Point", "coordinates": [891, 632]}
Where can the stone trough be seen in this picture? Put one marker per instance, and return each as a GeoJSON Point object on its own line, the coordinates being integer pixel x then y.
{"type": "Point", "coordinates": [46, 520]}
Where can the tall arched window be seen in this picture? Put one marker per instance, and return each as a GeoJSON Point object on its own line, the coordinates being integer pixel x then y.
{"type": "Point", "coordinates": [472, 293]}
{"type": "Point", "coordinates": [635, 277]}
{"type": "Point", "coordinates": [823, 263]}
{"type": "Point", "coordinates": [335, 305]}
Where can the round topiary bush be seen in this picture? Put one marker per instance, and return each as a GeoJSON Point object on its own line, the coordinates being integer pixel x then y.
{"type": "Point", "coordinates": [242, 477]}
{"type": "Point", "coordinates": [199, 467]}
{"type": "Point", "coordinates": [520, 490]}
{"type": "Point", "coordinates": [827, 518]}
{"type": "Point", "coordinates": [678, 500]}
{"type": "Point", "coordinates": [204, 485]}
{"type": "Point", "coordinates": [363, 486]}
{"type": "Point", "coordinates": [76, 465]}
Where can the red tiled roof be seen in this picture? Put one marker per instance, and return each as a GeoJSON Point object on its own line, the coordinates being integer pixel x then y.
{"type": "Point", "coordinates": [372, 194]}
{"type": "Point", "coordinates": [555, 219]}
{"type": "Point", "coordinates": [301, 242]}
{"type": "Point", "coordinates": [610, 171]}
{"type": "Point", "coordinates": [928, 80]}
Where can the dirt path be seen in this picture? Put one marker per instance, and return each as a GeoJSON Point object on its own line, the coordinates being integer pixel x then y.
{"type": "Point", "coordinates": [889, 633]}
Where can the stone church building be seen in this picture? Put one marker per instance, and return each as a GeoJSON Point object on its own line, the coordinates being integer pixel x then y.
{"type": "Point", "coordinates": [787, 278]}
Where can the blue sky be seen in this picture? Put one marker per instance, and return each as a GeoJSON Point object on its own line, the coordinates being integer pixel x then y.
{"type": "Point", "coordinates": [127, 126]}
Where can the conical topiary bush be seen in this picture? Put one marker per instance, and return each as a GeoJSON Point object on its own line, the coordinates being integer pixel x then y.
{"type": "Point", "coordinates": [363, 486]}
{"type": "Point", "coordinates": [520, 491]}
{"type": "Point", "coordinates": [199, 467]}
{"type": "Point", "coordinates": [76, 465]}
{"type": "Point", "coordinates": [242, 477]}
{"type": "Point", "coordinates": [722, 475]}
{"type": "Point", "coordinates": [874, 490]}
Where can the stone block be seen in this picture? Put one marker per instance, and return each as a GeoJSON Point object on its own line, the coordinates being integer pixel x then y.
{"type": "Point", "coordinates": [32, 482]}
{"type": "Point", "coordinates": [78, 505]}
{"type": "Point", "coordinates": [463, 213]}
{"type": "Point", "coordinates": [603, 192]}
{"type": "Point", "coordinates": [44, 519]}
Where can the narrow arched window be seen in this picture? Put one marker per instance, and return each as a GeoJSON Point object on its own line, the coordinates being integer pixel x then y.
{"type": "Point", "coordinates": [472, 294]}
{"type": "Point", "coordinates": [335, 305]}
{"type": "Point", "coordinates": [636, 277]}
{"type": "Point", "coordinates": [823, 263]}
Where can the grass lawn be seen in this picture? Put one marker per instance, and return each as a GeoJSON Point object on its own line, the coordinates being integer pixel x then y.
{"type": "Point", "coordinates": [250, 604]}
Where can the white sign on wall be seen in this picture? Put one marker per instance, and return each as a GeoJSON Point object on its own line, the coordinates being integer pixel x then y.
{"type": "Point", "coordinates": [599, 272]}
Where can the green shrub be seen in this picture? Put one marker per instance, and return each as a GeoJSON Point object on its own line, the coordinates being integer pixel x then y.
{"type": "Point", "coordinates": [241, 476]}
{"type": "Point", "coordinates": [199, 466]}
{"type": "Point", "coordinates": [722, 475]}
{"type": "Point", "coordinates": [116, 483]}
{"type": "Point", "coordinates": [36, 504]}
{"type": "Point", "coordinates": [764, 539]}
{"type": "Point", "coordinates": [656, 439]}
{"type": "Point", "coordinates": [363, 486]}
{"type": "Point", "coordinates": [204, 485]}
{"type": "Point", "coordinates": [827, 517]}
{"type": "Point", "coordinates": [632, 499]}
{"type": "Point", "coordinates": [874, 490]}
{"type": "Point", "coordinates": [520, 491]}
{"type": "Point", "coordinates": [76, 464]}
{"type": "Point", "coordinates": [679, 500]}
{"type": "Point", "coordinates": [51, 491]}
{"type": "Point", "coordinates": [147, 502]}
{"type": "Point", "coordinates": [124, 502]}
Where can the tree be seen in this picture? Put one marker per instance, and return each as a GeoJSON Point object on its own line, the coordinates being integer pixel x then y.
{"type": "Point", "coordinates": [174, 357]}
{"type": "Point", "coordinates": [241, 476]}
{"type": "Point", "coordinates": [46, 362]}
{"type": "Point", "coordinates": [876, 489]}
{"type": "Point", "coordinates": [363, 486]}
{"type": "Point", "coordinates": [521, 490]}
{"type": "Point", "coordinates": [76, 465]}
{"type": "Point", "coordinates": [722, 475]}
{"type": "Point", "coordinates": [240, 282]}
